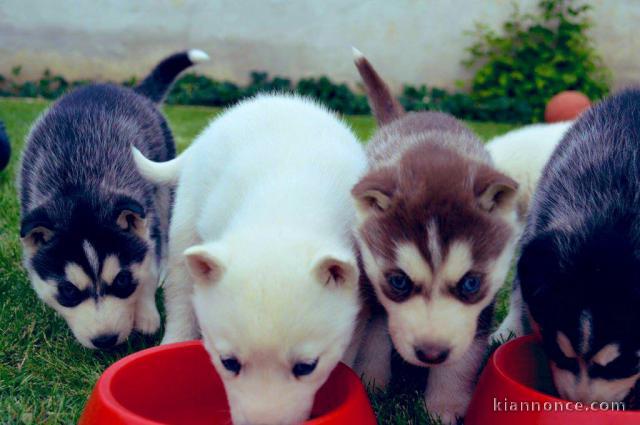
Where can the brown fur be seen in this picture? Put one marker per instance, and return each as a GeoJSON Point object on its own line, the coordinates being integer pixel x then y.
{"type": "Point", "coordinates": [429, 173]}
{"type": "Point", "coordinates": [386, 108]}
{"type": "Point", "coordinates": [430, 182]}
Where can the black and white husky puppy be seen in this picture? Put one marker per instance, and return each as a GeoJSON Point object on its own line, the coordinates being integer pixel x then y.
{"type": "Point", "coordinates": [93, 230]}
{"type": "Point", "coordinates": [579, 273]}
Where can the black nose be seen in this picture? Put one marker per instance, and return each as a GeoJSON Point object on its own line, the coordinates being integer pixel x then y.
{"type": "Point", "coordinates": [105, 341]}
{"type": "Point", "coordinates": [432, 354]}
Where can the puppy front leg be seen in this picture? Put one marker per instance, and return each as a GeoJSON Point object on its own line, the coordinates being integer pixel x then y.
{"type": "Point", "coordinates": [512, 325]}
{"type": "Point", "coordinates": [147, 318]}
{"type": "Point", "coordinates": [450, 386]}
{"type": "Point", "coordinates": [181, 320]}
{"type": "Point", "coordinates": [373, 363]}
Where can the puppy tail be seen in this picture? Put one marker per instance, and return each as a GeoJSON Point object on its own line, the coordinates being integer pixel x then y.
{"type": "Point", "coordinates": [164, 173]}
{"type": "Point", "coordinates": [385, 107]}
{"type": "Point", "coordinates": [157, 84]}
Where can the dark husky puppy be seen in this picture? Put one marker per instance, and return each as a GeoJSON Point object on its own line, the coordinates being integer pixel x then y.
{"type": "Point", "coordinates": [93, 230]}
{"type": "Point", "coordinates": [579, 272]}
{"type": "Point", "coordinates": [5, 147]}
{"type": "Point", "coordinates": [437, 231]}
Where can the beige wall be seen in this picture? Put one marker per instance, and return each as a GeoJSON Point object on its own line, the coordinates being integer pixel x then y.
{"type": "Point", "coordinates": [413, 41]}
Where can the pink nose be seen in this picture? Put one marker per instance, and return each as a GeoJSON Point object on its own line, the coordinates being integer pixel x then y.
{"type": "Point", "coordinates": [432, 354]}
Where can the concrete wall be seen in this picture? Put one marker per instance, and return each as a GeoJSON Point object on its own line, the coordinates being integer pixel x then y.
{"type": "Point", "coordinates": [412, 41]}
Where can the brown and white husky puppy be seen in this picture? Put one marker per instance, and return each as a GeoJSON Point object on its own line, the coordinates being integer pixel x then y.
{"type": "Point", "coordinates": [437, 231]}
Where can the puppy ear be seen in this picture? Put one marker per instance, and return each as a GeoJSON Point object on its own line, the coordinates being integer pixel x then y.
{"type": "Point", "coordinates": [494, 191]}
{"type": "Point", "coordinates": [335, 270]}
{"type": "Point", "coordinates": [375, 192]}
{"type": "Point", "coordinates": [131, 216]}
{"type": "Point", "coordinates": [536, 268]}
{"type": "Point", "coordinates": [36, 229]}
{"type": "Point", "coordinates": [205, 263]}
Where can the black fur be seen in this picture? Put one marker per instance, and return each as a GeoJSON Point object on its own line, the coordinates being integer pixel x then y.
{"type": "Point", "coordinates": [5, 147]}
{"type": "Point", "coordinates": [581, 247]}
{"type": "Point", "coordinates": [78, 175]}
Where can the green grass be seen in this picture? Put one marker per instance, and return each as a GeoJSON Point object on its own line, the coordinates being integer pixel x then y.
{"type": "Point", "coordinates": [45, 376]}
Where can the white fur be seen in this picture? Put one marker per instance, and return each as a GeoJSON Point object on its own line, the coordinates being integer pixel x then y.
{"type": "Point", "coordinates": [357, 54]}
{"type": "Point", "coordinates": [439, 320]}
{"type": "Point", "coordinates": [158, 172]}
{"type": "Point", "coordinates": [522, 154]}
{"type": "Point", "coordinates": [197, 56]}
{"type": "Point", "coordinates": [263, 214]}
{"type": "Point", "coordinates": [107, 315]}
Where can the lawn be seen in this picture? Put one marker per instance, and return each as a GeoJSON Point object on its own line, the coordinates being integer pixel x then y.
{"type": "Point", "coordinates": [45, 376]}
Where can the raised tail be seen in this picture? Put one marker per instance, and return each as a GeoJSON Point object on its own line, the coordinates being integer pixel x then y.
{"type": "Point", "coordinates": [157, 84]}
{"type": "Point", "coordinates": [384, 106]}
{"type": "Point", "coordinates": [164, 173]}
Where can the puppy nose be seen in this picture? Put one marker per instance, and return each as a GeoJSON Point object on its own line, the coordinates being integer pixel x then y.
{"type": "Point", "coordinates": [432, 354]}
{"type": "Point", "coordinates": [105, 341]}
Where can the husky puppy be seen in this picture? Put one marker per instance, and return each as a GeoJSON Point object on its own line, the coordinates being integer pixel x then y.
{"type": "Point", "coordinates": [261, 245]}
{"type": "Point", "coordinates": [5, 147]}
{"type": "Point", "coordinates": [437, 230]}
{"type": "Point", "coordinates": [92, 228]}
{"type": "Point", "coordinates": [579, 268]}
{"type": "Point", "coordinates": [522, 154]}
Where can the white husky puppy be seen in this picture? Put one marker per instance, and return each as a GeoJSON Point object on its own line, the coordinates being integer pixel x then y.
{"type": "Point", "coordinates": [522, 154]}
{"type": "Point", "coordinates": [261, 245]}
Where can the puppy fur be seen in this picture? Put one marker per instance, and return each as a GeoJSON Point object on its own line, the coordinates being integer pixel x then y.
{"type": "Point", "coordinates": [92, 229]}
{"type": "Point", "coordinates": [522, 154]}
{"type": "Point", "coordinates": [435, 218]}
{"type": "Point", "coordinates": [578, 272]}
{"type": "Point", "coordinates": [5, 147]}
{"type": "Point", "coordinates": [261, 245]}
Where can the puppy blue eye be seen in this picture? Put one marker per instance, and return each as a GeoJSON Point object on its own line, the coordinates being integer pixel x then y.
{"type": "Point", "coordinates": [231, 364]}
{"type": "Point", "coordinates": [469, 284]}
{"type": "Point", "coordinates": [400, 283]}
{"type": "Point", "coordinates": [304, 369]}
{"type": "Point", "coordinates": [68, 294]}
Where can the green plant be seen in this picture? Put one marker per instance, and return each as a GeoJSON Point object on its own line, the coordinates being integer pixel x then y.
{"type": "Point", "coordinates": [536, 57]}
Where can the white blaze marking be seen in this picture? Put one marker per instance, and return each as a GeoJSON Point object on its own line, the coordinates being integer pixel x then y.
{"type": "Point", "coordinates": [585, 328]}
{"type": "Point", "coordinates": [433, 244]}
{"type": "Point", "coordinates": [92, 256]}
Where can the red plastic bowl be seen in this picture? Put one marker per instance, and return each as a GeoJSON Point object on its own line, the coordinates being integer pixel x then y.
{"type": "Point", "coordinates": [565, 106]}
{"type": "Point", "coordinates": [518, 372]}
{"type": "Point", "coordinates": [177, 384]}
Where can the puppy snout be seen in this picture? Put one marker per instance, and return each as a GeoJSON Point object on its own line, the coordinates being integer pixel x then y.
{"type": "Point", "coordinates": [105, 341]}
{"type": "Point", "coordinates": [432, 354]}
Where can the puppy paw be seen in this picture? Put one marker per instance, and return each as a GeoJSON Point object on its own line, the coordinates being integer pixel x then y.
{"type": "Point", "coordinates": [504, 333]}
{"type": "Point", "coordinates": [147, 319]}
{"type": "Point", "coordinates": [450, 409]}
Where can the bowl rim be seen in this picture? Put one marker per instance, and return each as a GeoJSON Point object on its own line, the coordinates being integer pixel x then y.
{"type": "Point", "coordinates": [532, 393]}
{"type": "Point", "coordinates": [103, 386]}
{"type": "Point", "coordinates": [106, 379]}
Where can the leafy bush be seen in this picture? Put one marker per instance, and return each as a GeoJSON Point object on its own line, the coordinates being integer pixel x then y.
{"type": "Point", "coordinates": [536, 57]}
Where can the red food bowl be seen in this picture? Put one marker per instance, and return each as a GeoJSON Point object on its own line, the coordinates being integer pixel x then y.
{"type": "Point", "coordinates": [177, 384]}
{"type": "Point", "coordinates": [566, 106]}
{"type": "Point", "coordinates": [515, 388]}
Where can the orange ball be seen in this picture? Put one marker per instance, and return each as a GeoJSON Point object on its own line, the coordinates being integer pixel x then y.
{"type": "Point", "coordinates": [565, 106]}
